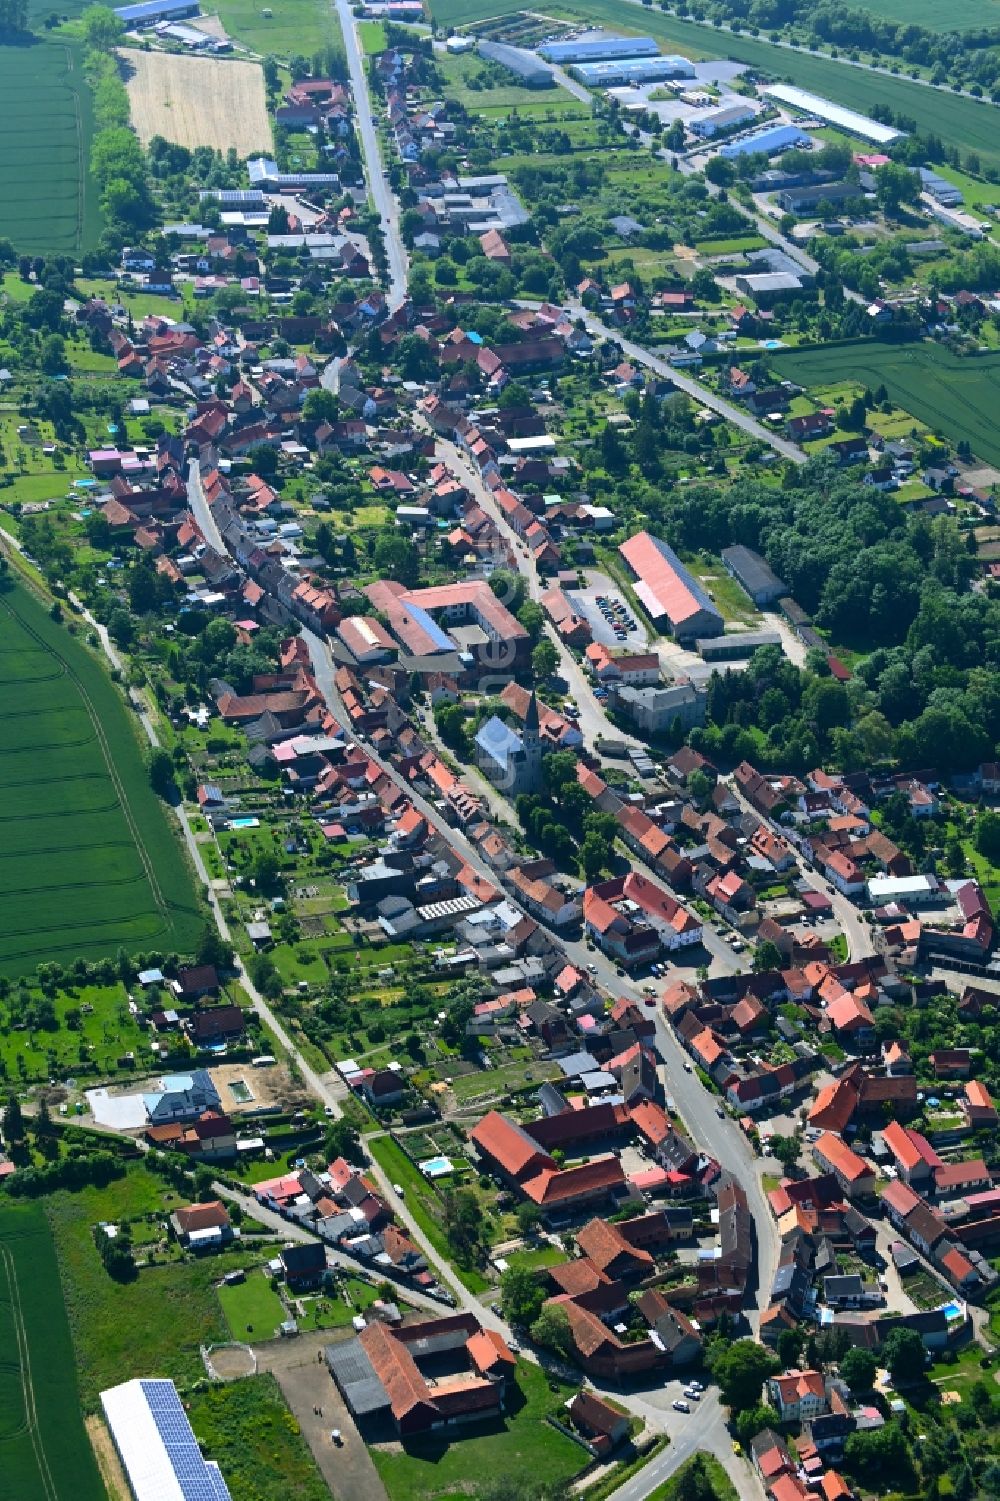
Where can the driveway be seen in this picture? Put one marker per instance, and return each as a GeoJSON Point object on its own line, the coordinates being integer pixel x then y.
{"type": "Point", "coordinates": [298, 1367]}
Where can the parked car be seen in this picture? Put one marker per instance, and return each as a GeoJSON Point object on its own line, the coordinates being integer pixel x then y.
{"type": "Point", "coordinates": [681, 1406]}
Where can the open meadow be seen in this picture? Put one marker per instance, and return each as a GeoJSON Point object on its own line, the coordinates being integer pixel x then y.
{"type": "Point", "coordinates": [197, 101]}
{"type": "Point", "coordinates": [288, 28]}
{"type": "Point", "coordinates": [953, 396]}
{"type": "Point", "coordinates": [48, 202]}
{"type": "Point", "coordinates": [44, 1451]}
{"type": "Point", "coordinates": [969, 124]}
{"type": "Point", "coordinates": [88, 861]}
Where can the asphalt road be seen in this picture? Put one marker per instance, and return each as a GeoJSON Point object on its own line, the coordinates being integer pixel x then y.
{"type": "Point", "coordinates": [719, 1136]}
{"type": "Point", "coordinates": [201, 510]}
{"type": "Point", "coordinates": [593, 721]}
{"type": "Point", "coordinates": [693, 388]}
{"type": "Point", "coordinates": [859, 935]}
{"type": "Point", "coordinates": [378, 184]}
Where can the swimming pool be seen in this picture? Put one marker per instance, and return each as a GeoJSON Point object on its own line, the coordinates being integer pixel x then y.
{"type": "Point", "coordinates": [437, 1167]}
{"type": "Point", "coordinates": [953, 1310]}
{"type": "Point", "coordinates": [244, 823]}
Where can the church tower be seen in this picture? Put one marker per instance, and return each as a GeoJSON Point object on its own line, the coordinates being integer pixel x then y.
{"type": "Point", "coordinates": [531, 757]}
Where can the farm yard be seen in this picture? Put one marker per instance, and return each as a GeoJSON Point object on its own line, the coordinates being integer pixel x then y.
{"type": "Point", "coordinates": [44, 1452]}
{"type": "Point", "coordinates": [88, 862]}
{"type": "Point", "coordinates": [197, 101]}
{"type": "Point", "coordinates": [48, 203]}
{"type": "Point", "coordinates": [968, 124]}
{"type": "Point", "coordinates": [957, 397]}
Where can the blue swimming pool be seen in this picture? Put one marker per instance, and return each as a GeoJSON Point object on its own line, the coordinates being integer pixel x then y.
{"type": "Point", "coordinates": [244, 823]}
{"type": "Point", "coordinates": [437, 1167]}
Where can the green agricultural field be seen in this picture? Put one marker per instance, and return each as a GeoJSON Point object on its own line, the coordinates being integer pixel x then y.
{"type": "Point", "coordinates": [48, 201]}
{"type": "Point", "coordinates": [961, 15]}
{"type": "Point", "coordinates": [955, 397]}
{"type": "Point", "coordinates": [88, 861]}
{"type": "Point", "coordinates": [44, 1451]}
{"type": "Point", "coordinates": [969, 124]}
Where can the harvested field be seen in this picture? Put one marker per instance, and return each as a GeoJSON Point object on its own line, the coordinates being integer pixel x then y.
{"type": "Point", "coordinates": [197, 101]}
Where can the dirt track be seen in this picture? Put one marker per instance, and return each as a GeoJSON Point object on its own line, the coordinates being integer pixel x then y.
{"type": "Point", "coordinates": [197, 101]}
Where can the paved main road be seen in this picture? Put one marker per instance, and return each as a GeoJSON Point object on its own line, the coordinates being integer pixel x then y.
{"type": "Point", "coordinates": [201, 510]}
{"type": "Point", "coordinates": [693, 388]}
{"type": "Point", "coordinates": [382, 195]}
{"type": "Point", "coordinates": [593, 721]}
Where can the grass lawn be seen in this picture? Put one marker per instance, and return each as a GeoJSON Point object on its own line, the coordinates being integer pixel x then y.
{"type": "Point", "coordinates": [729, 247]}
{"type": "Point", "coordinates": [519, 1444]}
{"type": "Point", "coordinates": [253, 1310]}
{"type": "Point", "coordinates": [509, 1076]}
{"type": "Point", "coordinates": [371, 35]}
{"type": "Point", "coordinates": [44, 1451]}
{"type": "Point", "coordinates": [335, 1312]}
{"type": "Point", "coordinates": [246, 1427]}
{"type": "Point", "coordinates": [722, 1487]}
{"type": "Point", "coordinates": [536, 1257]}
{"type": "Point", "coordinates": [152, 1326]}
{"type": "Point", "coordinates": [284, 28]}
{"type": "Point", "coordinates": [423, 1200]}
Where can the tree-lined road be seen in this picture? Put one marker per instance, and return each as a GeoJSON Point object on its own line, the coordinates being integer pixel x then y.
{"type": "Point", "coordinates": [378, 183]}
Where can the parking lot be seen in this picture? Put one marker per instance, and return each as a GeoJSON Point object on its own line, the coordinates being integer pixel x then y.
{"type": "Point", "coordinates": [617, 612]}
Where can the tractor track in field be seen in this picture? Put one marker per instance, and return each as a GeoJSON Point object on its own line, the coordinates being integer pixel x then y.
{"type": "Point", "coordinates": [27, 1384]}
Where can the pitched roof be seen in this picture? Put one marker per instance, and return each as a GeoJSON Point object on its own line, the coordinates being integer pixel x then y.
{"type": "Point", "coordinates": [508, 1144]}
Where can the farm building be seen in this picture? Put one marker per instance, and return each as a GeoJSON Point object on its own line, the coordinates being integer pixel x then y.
{"type": "Point", "coordinates": [633, 70]}
{"type": "Point", "coordinates": [526, 67]}
{"type": "Point", "coordinates": [668, 591]}
{"type": "Point", "coordinates": [599, 49]}
{"type": "Point", "coordinates": [714, 120]}
{"type": "Point", "coordinates": [749, 569]}
{"type": "Point", "coordinates": [735, 645]}
{"type": "Point", "coordinates": [807, 200]}
{"type": "Point", "coordinates": [767, 142]}
{"type": "Point", "coordinates": [148, 12]}
{"type": "Point", "coordinates": [833, 114]}
{"type": "Point", "coordinates": [264, 174]}
{"type": "Point", "coordinates": [156, 1445]}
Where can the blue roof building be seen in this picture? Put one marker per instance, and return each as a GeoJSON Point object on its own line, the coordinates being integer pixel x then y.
{"type": "Point", "coordinates": [767, 142]}
{"type": "Point", "coordinates": [633, 70]}
{"type": "Point", "coordinates": [599, 48]}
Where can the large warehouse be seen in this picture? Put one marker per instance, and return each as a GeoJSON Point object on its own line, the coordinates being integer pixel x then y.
{"type": "Point", "coordinates": [833, 114]}
{"type": "Point", "coordinates": [599, 49]}
{"type": "Point", "coordinates": [633, 70]}
{"type": "Point", "coordinates": [668, 591]}
{"type": "Point", "coordinates": [157, 1448]}
{"type": "Point", "coordinates": [767, 142]}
